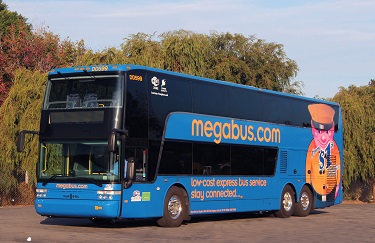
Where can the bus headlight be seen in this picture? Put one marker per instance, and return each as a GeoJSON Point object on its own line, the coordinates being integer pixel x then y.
{"type": "Point", "coordinates": [107, 195]}
{"type": "Point", "coordinates": [41, 193]}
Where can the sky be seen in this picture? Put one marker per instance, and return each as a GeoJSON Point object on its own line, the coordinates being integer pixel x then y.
{"type": "Point", "coordinates": [332, 41]}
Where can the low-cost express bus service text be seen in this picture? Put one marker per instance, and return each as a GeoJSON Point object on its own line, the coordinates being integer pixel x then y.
{"type": "Point", "coordinates": [223, 187]}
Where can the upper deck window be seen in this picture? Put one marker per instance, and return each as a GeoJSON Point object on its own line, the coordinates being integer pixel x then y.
{"type": "Point", "coordinates": [83, 92]}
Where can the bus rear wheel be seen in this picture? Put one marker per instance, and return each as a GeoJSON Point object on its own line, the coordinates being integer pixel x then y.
{"type": "Point", "coordinates": [304, 206]}
{"type": "Point", "coordinates": [175, 208]}
{"type": "Point", "coordinates": [287, 203]}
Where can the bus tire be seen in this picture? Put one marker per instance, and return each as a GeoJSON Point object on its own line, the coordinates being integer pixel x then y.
{"type": "Point", "coordinates": [287, 203]}
{"type": "Point", "coordinates": [305, 204]}
{"type": "Point", "coordinates": [175, 208]}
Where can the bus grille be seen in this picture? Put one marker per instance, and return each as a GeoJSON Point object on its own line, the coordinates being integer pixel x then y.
{"type": "Point", "coordinates": [283, 161]}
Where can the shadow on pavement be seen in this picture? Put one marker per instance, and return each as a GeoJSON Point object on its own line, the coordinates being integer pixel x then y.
{"type": "Point", "coordinates": [151, 222]}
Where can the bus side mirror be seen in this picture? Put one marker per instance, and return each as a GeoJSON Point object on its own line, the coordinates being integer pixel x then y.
{"type": "Point", "coordinates": [130, 172]}
{"type": "Point", "coordinates": [112, 138]}
{"type": "Point", "coordinates": [112, 142]}
{"type": "Point", "coordinates": [21, 139]}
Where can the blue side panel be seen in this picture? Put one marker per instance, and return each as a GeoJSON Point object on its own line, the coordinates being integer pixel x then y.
{"type": "Point", "coordinates": [296, 142]}
{"type": "Point", "coordinates": [206, 195]}
{"type": "Point", "coordinates": [144, 200]}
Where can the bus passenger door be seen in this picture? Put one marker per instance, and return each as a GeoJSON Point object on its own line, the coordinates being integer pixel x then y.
{"type": "Point", "coordinates": [139, 155]}
{"type": "Point", "coordinates": [136, 202]}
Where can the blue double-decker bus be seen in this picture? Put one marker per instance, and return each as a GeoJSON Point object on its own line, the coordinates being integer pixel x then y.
{"type": "Point", "coordinates": [128, 142]}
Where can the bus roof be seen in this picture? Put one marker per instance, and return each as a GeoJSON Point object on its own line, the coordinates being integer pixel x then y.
{"type": "Point", "coordinates": [128, 67]}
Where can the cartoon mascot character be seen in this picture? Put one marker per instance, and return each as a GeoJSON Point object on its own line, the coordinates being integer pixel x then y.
{"type": "Point", "coordinates": [323, 156]}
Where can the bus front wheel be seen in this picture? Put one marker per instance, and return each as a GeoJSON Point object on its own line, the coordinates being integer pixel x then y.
{"type": "Point", "coordinates": [304, 206]}
{"type": "Point", "coordinates": [287, 203]}
{"type": "Point", "coordinates": [175, 208]}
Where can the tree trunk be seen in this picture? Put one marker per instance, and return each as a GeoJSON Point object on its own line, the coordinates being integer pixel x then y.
{"type": "Point", "coordinates": [373, 189]}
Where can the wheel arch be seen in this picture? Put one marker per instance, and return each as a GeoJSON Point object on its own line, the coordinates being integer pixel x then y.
{"type": "Point", "coordinates": [312, 193]}
{"type": "Point", "coordinates": [180, 185]}
{"type": "Point", "coordinates": [304, 208]}
{"type": "Point", "coordinates": [293, 188]}
{"type": "Point", "coordinates": [298, 193]}
{"type": "Point", "coordinates": [287, 201]}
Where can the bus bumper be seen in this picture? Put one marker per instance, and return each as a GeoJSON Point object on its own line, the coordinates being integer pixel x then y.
{"type": "Point", "coordinates": [77, 208]}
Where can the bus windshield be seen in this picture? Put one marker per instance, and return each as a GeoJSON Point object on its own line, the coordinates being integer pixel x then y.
{"type": "Point", "coordinates": [80, 160]}
{"type": "Point", "coordinates": [83, 92]}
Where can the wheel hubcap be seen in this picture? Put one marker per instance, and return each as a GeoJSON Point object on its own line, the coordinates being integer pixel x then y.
{"type": "Point", "coordinates": [305, 201]}
{"type": "Point", "coordinates": [287, 201]}
{"type": "Point", "coordinates": [174, 207]}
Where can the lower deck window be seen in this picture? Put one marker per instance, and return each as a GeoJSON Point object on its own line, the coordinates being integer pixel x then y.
{"type": "Point", "coordinates": [211, 159]}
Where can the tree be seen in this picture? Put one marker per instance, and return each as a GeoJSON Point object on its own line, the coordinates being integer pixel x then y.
{"type": "Point", "coordinates": [228, 58]}
{"type": "Point", "coordinates": [186, 52]}
{"type": "Point", "coordinates": [234, 58]}
{"type": "Point", "coordinates": [252, 61]}
{"type": "Point", "coordinates": [109, 55]}
{"type": "Point", "coordinates": [358, 108]}
{"type": "Point", "coordinates": [141, 49]}
{"type": "Point", "coordinates": [8, 18]}
{"type": "Point", "coordinates": [294, 88]}
{"type": "Point", "coordinates": [40, 50]}
{"type": "Point", "coordinates": [20, 111]}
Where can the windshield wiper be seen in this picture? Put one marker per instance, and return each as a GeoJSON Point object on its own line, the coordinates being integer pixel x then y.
{"type": "Point", "coordinates": [91, 75]}
{"type": "Point", "coordinates": [62, 75]}
{"type": "Point", "coordinates": [75, 178]}
{"type": "Point", "coordinates": [51, 179]}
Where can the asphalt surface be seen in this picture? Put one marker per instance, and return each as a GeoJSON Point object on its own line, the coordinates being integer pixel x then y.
{"type": "Point", "coordinates": [341, 223]}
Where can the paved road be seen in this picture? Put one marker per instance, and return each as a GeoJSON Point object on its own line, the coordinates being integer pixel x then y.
{"type": "Point", "coordinates": [341, 223]}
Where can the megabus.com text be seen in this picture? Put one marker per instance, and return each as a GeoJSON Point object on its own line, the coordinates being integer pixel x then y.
{"type": "Point", "coordinates": [234, 131]}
